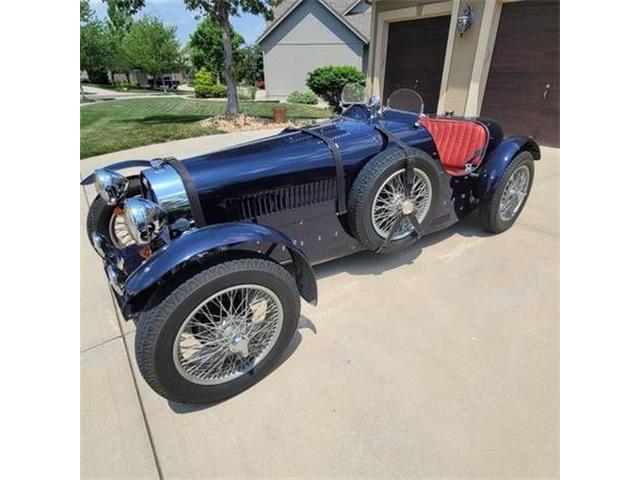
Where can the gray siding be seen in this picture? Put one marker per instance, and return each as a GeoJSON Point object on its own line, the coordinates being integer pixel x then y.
{"type": "Point", "coordinates": [310, 37]}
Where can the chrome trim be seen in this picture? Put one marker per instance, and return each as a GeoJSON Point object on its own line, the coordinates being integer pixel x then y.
{"type": "Point", "coordinates": [145, 219]}
{"type": "Point", "coordinates": [116, 279]}
{"type": "Point", "coordinates": [165, 188]}
{"type": "Point", "coordinates": [111, 185]}
{"type": "Point", "coordinates": [99, 244]}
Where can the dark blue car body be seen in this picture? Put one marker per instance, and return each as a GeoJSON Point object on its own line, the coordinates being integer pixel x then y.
{"type": "Point", "coordinates": [277, 197]}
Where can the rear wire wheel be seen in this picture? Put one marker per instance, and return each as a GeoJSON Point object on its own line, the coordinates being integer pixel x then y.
{"type": "Point", "coordinates": [500, 211]}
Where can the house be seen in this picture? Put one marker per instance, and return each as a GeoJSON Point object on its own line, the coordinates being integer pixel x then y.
{"type": "Point", "coordinates": [506, 65]}
{"type": "Point", "coordinates": [307, 34]}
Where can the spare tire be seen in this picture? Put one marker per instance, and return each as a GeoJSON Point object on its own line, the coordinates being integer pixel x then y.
{"type": "Point", "coordinates": [377, 198]}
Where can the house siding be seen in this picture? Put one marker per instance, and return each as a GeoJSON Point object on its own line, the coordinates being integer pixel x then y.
{"type": "Point", "coordinates": [308, 38]}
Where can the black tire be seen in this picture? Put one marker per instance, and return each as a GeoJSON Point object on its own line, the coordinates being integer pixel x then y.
{"type": "Point", "coordinates": [490, 207]}
{"type": "Point", "coordinates": [99, 216]}
{"type": "Point", "coordinates": [366, 185]}
{"type": "Point", "coordinates": [167, 310]}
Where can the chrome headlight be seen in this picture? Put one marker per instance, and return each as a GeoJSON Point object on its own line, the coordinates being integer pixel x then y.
{"type": "Point", "coordinates": [111, 185]}
{"type": "Point", "coordinates": [145, 219]}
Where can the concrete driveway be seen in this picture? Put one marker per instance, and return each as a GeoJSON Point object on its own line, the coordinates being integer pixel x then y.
{"type": "Point", "coordinates": [440, 361]}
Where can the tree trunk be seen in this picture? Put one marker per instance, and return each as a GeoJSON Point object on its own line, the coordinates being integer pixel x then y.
{"type": "Point", "coordinates": [164, 87]}
{"type": "Point", "coordinates": [232, 95]}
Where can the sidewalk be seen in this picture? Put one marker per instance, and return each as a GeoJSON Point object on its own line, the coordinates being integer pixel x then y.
{"type": "Point", "coordinates": [439, 361]}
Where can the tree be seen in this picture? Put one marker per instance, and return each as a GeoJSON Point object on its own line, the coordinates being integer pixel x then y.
{"type": "Point", "coordinates": [95, 47]}
{"type": "Point", "coordinates": [206, 48]}
{"type": "Point", "coordinates": [221, 11]}
{"type": "Point", "coordinates": [152, 47]}
{"type": "Point", "coordinates": [251, 65]}
{"type": "Point", "coordinates": [119, 20]}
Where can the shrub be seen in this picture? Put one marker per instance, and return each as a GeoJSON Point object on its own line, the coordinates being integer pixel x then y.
{"type": "Point", "coordinates": [122, 86]}
{"type": "Point", "coordinates": [329, 81]}
{"type": "Point", "coordinates": [306, 97]}
{"type": "Point", "coordinates": [246, 92]}
{"type": "Point", "coordinates": [204, 86]}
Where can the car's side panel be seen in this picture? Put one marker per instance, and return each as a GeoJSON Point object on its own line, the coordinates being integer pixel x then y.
{"type": "Point", "coordinates": [193, 244]}
{"type": "Point", "coordinates": [497, 162]}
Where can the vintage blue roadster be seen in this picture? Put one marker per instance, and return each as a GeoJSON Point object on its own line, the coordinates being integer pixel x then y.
{"type": "Point", "coordinates": [210, 255]}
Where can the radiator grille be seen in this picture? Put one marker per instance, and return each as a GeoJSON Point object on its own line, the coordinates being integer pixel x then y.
{"type": "Point", "coordinates": [281, 199]}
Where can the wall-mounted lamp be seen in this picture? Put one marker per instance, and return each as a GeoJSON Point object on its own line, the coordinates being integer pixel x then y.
{"type": "Point", "coordinates": [465, 20]}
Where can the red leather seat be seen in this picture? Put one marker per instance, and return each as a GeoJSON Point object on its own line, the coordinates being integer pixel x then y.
{"type": "Point", "coordinates": [458, 142]}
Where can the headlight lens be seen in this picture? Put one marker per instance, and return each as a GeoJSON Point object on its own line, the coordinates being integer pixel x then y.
{"type": "Point", "coordinates": [145, 219]}
{"type": "Point", "coordinates": [111, 185]}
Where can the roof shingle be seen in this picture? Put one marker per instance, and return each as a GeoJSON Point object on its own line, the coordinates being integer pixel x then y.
{"type": "Point", "coordinates": [360, 21]}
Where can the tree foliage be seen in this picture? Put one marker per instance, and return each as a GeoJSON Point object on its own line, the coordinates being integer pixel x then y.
{"type": "Point", "coordinates": [95, 45]}
{"type": "Point", "coordinates": [250, 64]}
{"type": "Point", "coordinates": [152, 46]}
{"type": "Point", "coordinates": [119, 20]}
{"type": "Point", "coordinates": [206, 48]}
{"type": "Point", "coordinates": [221, 11]}
{"type": "Point", "coordinates": [328, 82]}
{"type": "Point", "coordinates": [205, 86]}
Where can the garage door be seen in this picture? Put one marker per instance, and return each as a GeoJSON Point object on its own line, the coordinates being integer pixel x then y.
{"type": "Point", "coordinates": [523, 86]}
{"type": "Point", "coordinates": [415, 58]}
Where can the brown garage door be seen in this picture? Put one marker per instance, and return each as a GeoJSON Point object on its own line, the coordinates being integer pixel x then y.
{"type": "Point", "coordinates": [523, 86]}
{"type": "Point", "coordinates": [415, 58]}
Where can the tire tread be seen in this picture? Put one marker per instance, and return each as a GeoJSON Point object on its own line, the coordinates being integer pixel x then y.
{"type": "Point", "coordinates": [150, 322]}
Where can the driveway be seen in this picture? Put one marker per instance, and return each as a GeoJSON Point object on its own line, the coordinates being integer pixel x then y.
{"type": "Point", "coordinates": [439, 361]}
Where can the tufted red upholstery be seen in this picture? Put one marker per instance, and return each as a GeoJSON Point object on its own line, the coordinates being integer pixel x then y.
{"type": "Point", "coordinates": [457, 141]}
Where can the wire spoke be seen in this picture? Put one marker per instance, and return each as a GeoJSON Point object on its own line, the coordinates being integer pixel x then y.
{"type": "Point", "coordinates": [228, 334]}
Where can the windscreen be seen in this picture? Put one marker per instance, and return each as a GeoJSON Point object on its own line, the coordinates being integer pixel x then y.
{"type": "Point", "coordinates": [353, 93]}
{"type": "Point", "coordinates": [406, 100]}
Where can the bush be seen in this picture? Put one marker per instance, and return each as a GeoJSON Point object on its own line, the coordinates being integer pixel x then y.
{"type": "Point", "coordinates": [329, 81]}
{"type": "Point", "coordinates": [246, 92]}
{"type": "Point", "coordinates": [306, 97]}
{"type": "Point", "coordinates": [204, 86]}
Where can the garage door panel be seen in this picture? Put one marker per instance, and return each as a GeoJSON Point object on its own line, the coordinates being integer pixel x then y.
{"type": "Point", "coordinates": [523, 85]}
{"type": "Point", "coordinates": [415, 57]}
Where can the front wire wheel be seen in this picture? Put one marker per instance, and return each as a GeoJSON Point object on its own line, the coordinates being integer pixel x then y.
{"type": "Point", "coordinates": [217, 332]}
{"type": "Point", "coordinates": [108, 220]}
{"type": "Point", "coordinates": [228, 334]}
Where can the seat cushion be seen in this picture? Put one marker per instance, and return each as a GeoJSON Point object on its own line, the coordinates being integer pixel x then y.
{"type": "Point", "coordinates": [457, 141]}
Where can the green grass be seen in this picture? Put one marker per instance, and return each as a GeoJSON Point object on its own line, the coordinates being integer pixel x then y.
{"type": "Point", "coordinates": [120, 124]}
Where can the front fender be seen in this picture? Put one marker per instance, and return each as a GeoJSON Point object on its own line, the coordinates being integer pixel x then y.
{"type": "Point", "coordinates": [191, 244]}
{"type": "Point", "coordinates": [497, 162]}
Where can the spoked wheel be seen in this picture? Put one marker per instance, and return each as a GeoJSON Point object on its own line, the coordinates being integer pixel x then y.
{"type": "Point", "coordinates": [118, 231]}
{"type": "Point", "coordinates": [500, 211]}
{"type": "Point", "coordinates": [390, 202]}
{"type": "Point", "coordinates": [228, 334]}
{"type": "Point", "coordinates": [515, 191]}
{"type": "Point", "coordinates": [218, 332]}
{"type": "Point", "coordinates": [401, 202]}
{"type": "Point", "coordinates": [109, 221]}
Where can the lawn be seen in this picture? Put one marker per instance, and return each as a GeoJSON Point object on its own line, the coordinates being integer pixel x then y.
{"type": "Point", "coordinates": [120, 124]}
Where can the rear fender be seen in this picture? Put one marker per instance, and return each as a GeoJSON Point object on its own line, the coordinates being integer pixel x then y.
{"type": "Point", "coordinates": [193, 244]}
{"type": "Point", "coordinates": [499, 159]}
